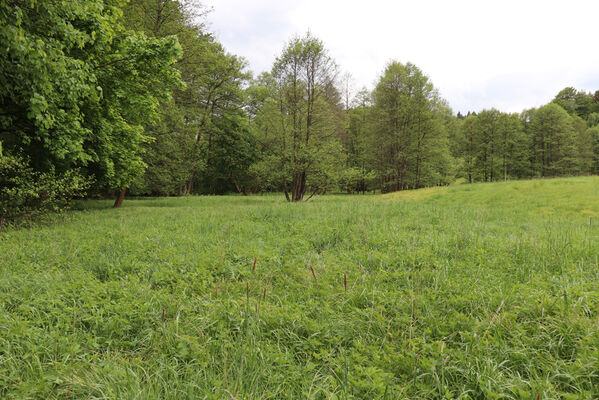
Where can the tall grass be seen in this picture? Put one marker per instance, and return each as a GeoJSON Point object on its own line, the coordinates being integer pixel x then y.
{"type": "Point", "coordinates": [487, 291]}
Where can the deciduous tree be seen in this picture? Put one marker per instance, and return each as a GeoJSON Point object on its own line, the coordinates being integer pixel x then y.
{"type": "Point", "coordinates": [299, 122]}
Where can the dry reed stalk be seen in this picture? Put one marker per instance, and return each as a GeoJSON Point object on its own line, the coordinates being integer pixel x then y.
{"type": "Point", "coordinates": [492, 322]}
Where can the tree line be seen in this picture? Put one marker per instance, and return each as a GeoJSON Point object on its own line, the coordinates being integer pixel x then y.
{"type": "Point", "coordinates": [103, 97]}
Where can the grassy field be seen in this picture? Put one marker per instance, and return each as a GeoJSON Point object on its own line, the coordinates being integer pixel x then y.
{"type": "Point", "coordinates": [487, 291]}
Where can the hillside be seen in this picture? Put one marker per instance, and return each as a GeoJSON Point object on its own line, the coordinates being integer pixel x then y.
{"type": "Point", "coordinates": [483, 291]}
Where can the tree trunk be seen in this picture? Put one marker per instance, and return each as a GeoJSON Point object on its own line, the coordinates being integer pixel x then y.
{"type": "Point", "coordinates": [286, 191]}
{"type": "Point", "coordinates": [190, 183]}
{"type": "Point", "coordinates": [312, 195]}
{"type": "Point", "coordinates": [298, 188]}
{"type": "Point", "coordinates": [119, 200]}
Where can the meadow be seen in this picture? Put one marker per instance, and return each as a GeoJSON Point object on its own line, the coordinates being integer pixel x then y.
{"type": "Point", "coordinates": [483, 291]}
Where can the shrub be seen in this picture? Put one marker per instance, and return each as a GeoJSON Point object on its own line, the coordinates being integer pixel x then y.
{"type": "Point", "coordinates": [25, 192]}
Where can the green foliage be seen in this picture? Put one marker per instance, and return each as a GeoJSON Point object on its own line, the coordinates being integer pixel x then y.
{"type": "Point", "coordinates": [355, 179]}
{"type": "Point", "coordinates": [554, 146]}
{"type": "Point", "coordinates": [576, 103]}
{"type": "Point", "coordinates": [538, 143]}
{"type": "Point", "coordinates": [137, 78]}
{"type": "Point", "coordinates": [230, 152]}
{"type": "Point", "coordinates": [297, 119]}
{"type": "Point", "coordinates": [498, 299]}
{"type": "Point", "coordinates": [487, 123]}
{"type": "Point", "coordinates": [25, 192]}
{"type": "Point", "coordinates": [593, 119]}
{"type": "Point", "coordinates": [167, 154]}
{"type": "Point", "coordinates": [195, 118]}
{"type": "Point", "coordinates": [512, 147]}
{"type": "Point", "coordinates": [76, 87]}
{"type": "Point", "coordinates": [360, 175]}
{"type": "Point", "coordinates": [584, 146]}
{"type": "Point", "coordinates": [409, 136]}
{"type": "Point", "coordinates": [493, 146]}
{"type": "Point", "coordinates": [594, 133]}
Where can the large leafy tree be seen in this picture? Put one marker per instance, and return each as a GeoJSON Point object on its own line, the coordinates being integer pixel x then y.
{"type": "Point", "coordinates": [298, 121]}
{"type": "Point", "coordinates": [217, 98]}
{"type": "Point", "coordinates": [487, 126]}
{"type": "Point", "coordinates": [512, 147]}
{"type": "Point", "coordinates": [554, 150]}
{"type": "Point", "coordinates": [410, 134]}
{"type": "Point", "coordinates": [76, 87]}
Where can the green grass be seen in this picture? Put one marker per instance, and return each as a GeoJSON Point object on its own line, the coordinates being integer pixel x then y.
{"type": "Point", "coordinates": [487, 291]}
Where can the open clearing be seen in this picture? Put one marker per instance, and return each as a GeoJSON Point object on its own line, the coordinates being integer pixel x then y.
{"type": "Point", "coordinates": [485, 291]}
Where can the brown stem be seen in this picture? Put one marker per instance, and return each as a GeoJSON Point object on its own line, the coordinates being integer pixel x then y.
{"type": "Point", "coordinates": [119, 200]}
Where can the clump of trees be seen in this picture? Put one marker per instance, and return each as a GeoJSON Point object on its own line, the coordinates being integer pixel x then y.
{"type": "Point", "coordinates": [101, 96]}
{"type": "Point", "coordinates": [543, 142]}
{"type": "Point", "coordinates": [77, 88]}
{"type": "Point", "coordinates": [201, 140]}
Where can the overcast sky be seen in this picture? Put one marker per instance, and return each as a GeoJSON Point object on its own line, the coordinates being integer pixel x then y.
{"type": "Point", "coordinates": [509, 54]}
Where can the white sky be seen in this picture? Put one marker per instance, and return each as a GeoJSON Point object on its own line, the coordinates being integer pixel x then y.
{"type": "Point", "coordinates": [510, 54]}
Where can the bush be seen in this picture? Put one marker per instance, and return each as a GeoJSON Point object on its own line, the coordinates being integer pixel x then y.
{"type": "Point", "coordinates": [356, 180]}
{"type": "Point", "coordinates": [24, 192]}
